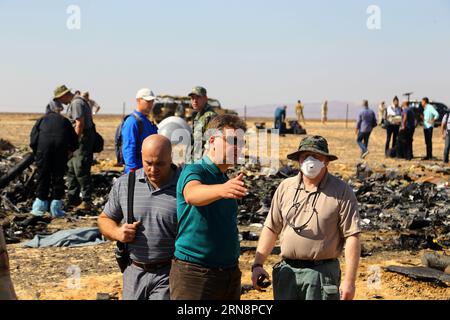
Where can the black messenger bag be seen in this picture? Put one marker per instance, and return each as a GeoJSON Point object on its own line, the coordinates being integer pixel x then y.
{"type": "Point", "coordinates": [121, 252]}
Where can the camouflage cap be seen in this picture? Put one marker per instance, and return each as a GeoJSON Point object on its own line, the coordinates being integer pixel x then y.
{"type": "Point", "coordinates": [316, 144]}
{"type": "Point", "coordinates": [60, 91]}
{"type": "Point", "coordinates": [198, 91]}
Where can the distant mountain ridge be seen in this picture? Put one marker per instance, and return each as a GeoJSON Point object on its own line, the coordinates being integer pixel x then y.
{"type": "Point", "coordinates": [336, 110]}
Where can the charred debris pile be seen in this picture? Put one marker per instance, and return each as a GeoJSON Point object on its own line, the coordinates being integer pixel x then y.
{"type": "Point", "coordinates": [17, 179]}
{"type": "Point", "coordinates": [389, 200]}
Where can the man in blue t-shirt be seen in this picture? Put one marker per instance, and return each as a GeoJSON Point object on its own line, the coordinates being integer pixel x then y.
{"type": "Point", "coordinates": [280, 117]}
{"type": "Point", "coordinates": [136, 128]}
{"type": "Point", "coordinates": [206, 265]}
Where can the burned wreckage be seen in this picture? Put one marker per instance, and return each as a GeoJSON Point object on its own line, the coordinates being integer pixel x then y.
{"type": "Point", "coordinates": [17, 185]}
{"type": "Point", "coordinates": [419, 212]}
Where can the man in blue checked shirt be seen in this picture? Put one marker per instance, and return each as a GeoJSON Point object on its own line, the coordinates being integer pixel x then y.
{"type": "Point", "coordinates": [136, 128]}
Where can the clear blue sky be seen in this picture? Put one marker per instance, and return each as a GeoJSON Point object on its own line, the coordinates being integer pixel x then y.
{"type": "Point", "coordinates": [244, 52]}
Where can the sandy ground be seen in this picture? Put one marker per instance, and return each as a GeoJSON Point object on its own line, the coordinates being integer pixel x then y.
{"type": "Point", "coordinates": [81, 273]}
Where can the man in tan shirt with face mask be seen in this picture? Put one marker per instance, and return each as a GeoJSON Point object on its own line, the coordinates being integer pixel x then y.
{"type": "Point", "coordinates": [315, 214]}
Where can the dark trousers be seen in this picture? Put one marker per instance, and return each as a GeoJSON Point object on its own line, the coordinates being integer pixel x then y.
{"type": "Point", "coordinates": [447, 146]}
{"type": "Point", "coordinates": [391, 132]}
{"type": "Point", "coordinates": [402, 141]}
{"type": "Point", "coordinates": [363, 141]}
{"type": "Point", "coordinates": [79, 169]}
{"type": "Point", "coordinates": [409, 137]}
{"type": "Point", "coordinates": [190, 281]}
{"type": "Point", "coordinates": [278, 123]}
{"type": "Point", "coordinates": [428, 133]}
{"type": "Point", "coordinates": [51, 166]}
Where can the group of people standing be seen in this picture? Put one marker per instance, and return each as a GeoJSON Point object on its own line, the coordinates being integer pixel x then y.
{"type": "Point", "coordinates": [182, 237]}
{"type": "Point", "coordinates": [64, 146]}
{"type": "Point", "coordinates": [179, 224]}
{"type": "Point", "coordinates": [400, 122]}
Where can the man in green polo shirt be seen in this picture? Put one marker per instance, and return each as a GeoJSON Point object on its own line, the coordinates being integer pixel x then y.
{"type": "Point", "coordinates": [207, 246]}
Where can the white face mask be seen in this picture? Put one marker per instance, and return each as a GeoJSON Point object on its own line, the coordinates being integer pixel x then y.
{"type": "Point", "coordinates": [311, 167]}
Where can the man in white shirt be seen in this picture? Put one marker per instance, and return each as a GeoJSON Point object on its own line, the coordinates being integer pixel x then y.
{"type": "Point", "coordinates": [394, 119]}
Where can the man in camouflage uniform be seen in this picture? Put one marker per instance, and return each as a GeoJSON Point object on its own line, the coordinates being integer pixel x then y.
{"type": "Point", "coordinates": [205, 113]}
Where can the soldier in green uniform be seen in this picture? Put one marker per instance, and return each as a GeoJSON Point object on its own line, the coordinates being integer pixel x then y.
{"type": "Point", "coordinates": [205, 113]}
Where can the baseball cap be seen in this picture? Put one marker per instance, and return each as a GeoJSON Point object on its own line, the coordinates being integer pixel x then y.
{"type": "Point", "coordinates": [145, 94]}
{"type": "Point", "coordinates": [198, 91]}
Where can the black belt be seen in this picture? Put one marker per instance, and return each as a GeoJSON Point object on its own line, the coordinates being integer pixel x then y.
{"type": "Point", "coordinates": [151, 267]}
{"type": "Point", "coordinates": [307, 263]}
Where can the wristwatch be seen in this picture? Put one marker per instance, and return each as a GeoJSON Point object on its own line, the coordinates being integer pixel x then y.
{"type": "Point", "coordinates": [256, 265]}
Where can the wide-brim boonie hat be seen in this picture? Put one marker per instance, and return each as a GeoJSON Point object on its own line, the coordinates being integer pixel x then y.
{"type": "Point", "coordinates": [316, 144]}
{"type": "Point", "coordinates": [60, 91]}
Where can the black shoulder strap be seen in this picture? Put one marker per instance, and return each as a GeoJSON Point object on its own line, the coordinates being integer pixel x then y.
{"type": "Point", "coordinates": [130, 200]}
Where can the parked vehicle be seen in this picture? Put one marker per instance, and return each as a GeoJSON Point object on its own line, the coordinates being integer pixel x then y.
{"type": "Point", "coordinates": [168, 106]}
{"type": "Point", "coordinates": [441, 108]}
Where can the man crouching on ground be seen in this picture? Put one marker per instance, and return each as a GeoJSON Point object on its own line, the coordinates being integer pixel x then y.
{"type": "Point", "coordinates": [206, 263]}
{"type": "Point", "coordinates": [151, 238]}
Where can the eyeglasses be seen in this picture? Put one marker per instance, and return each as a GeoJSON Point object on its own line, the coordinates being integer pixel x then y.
{"type": "Point", "coordinates": [298, 205]}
